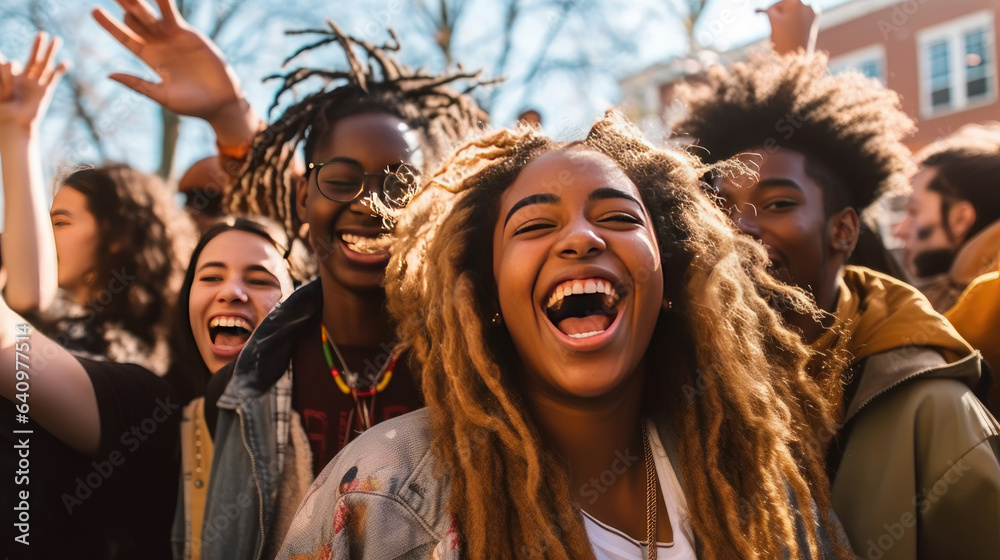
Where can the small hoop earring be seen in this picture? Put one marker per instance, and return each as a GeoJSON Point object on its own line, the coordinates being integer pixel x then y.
{"type": "Point", "coordinates": [497, 319]}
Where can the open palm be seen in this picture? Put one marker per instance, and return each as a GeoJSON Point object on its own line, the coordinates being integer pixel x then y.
{"type": "Point", "coordinates": [195, 79]}
{"type": "Point", "coordinates": [25, 95]}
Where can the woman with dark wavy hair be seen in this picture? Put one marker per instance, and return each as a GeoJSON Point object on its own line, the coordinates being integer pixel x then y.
{"type": "Point", "coordinates": [116, 244]}
{"type": "Point", "coordinates": [121, 245]}
{"type": "Point", "coordinates": [593, 337]}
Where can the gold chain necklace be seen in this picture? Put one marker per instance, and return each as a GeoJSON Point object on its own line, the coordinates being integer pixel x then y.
{"type": "Point", "coordinates": [650, 495]}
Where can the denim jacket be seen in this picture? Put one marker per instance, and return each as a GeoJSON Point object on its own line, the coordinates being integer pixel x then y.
{"type": "Point", "coordinates": [251, 459]}
{"type": "Point", "coordinates": [381, 498]}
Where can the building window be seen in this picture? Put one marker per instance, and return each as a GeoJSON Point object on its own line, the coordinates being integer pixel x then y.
{"type": "Point", "coordinates": [940, 75]}
{"type": "Point", "coordinates": [957, 66]}
{"type": "Point", "coordinates": [977, 65]}
{"type": "Point", "coordinates": [870, 61]}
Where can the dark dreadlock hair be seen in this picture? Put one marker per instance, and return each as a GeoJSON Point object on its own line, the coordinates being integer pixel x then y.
{"type": "Point", "coordinates": [849, 127]}
{"type": "Point", "coordinates": [373, 83]}
{"type": "Point", "coordinates": [744, 441]}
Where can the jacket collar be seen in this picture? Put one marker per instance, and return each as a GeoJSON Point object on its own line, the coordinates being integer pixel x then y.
{"type": "Point", "coordinates": [887, 370]}
{"type": "Point", "coordinates": [978, 256]}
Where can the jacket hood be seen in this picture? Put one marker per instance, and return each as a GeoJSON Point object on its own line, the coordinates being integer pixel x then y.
{"type": "Point", "coordinates": [876, 313]}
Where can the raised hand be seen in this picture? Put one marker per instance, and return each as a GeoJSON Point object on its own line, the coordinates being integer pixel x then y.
{"type": "Point", "coordinates": [25, 94]}
{"type": "Point", "coordinates": [793, 25]}
{"type": "Point", "coordinates": [195, 79]}
{"type": "Point", "coordinates": [28, 245]}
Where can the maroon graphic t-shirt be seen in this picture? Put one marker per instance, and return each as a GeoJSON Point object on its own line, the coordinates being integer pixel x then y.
{"type": "Point", "coordinates": [330, 417]}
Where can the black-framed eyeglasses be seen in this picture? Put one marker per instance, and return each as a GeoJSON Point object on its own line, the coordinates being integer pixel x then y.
{"type": "Point", "coordinates": [343, 180]}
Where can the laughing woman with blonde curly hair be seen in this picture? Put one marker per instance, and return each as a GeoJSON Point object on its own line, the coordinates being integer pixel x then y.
{"type": "Point", "coordinates": [601, 368]}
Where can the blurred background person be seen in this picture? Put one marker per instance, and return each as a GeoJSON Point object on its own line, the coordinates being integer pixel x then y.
{"type": "Point", "coordinates": [202, 187]}
{"type": "Point", "coordinates": [951, 231]}
{"type": "Point", "coordinates": [118, 239]}
{"type": "Point", "coordinates": [951, 235]}
{"type": "Point", "coordinates": [530, 116]}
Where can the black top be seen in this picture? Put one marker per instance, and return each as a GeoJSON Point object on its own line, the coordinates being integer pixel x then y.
{"type": "Point", "coordinates": [117, 504]}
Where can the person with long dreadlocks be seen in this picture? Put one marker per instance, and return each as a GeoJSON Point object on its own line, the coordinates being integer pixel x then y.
{"type": "Point", "coordinates": [591, 340]}
{"type": "Point", "coordinates": [323, 366]}
{"type": "Point", "coordinates": [913, 462]}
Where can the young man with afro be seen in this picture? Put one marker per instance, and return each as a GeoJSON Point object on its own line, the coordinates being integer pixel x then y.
{"type": "Point", "coordinates": [913, 467]}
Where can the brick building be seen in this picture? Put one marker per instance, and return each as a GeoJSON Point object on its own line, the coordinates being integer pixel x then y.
{"type": "Point", "coordinates": [940, 55]}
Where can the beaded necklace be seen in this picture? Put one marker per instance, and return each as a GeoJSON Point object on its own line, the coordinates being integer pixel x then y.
{"type": "Point", "coordinates": [347, 382]}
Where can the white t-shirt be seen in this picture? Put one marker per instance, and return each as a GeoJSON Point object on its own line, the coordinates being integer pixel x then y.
{"type": "Point", "coordinates": [612, 544]}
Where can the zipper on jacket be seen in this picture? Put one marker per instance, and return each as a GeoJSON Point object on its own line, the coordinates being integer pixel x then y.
{"type": "Point", "coordinates": [256, 479]}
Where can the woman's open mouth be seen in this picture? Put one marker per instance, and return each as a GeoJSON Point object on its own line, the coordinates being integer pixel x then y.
{"type": "Point", "coordinates": [583, 308]}
{"type": "Point", "coordinates": [229, 331]}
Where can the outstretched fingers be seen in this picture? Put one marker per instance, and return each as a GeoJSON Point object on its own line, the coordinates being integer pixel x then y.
{"type": "Point", "coordinates": [47, 64]}
{"type": "Point", "coordinates": [57, 73]}
{"type": "Point", "coordinates": [168, 10]}
{"type": "Point", "coordinates": [140, 11]}
{"type": "Point", "coordinates": [121, 32]}
{"type": "Point", "coordinates": [138, 85]}
{"type": "Point", "coordinates": [33, 65]}
{"type": "Point", "coordinates": [6, 80]}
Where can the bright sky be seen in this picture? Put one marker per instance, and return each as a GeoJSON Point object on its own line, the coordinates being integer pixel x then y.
{"type": "Point", "coordinates": [131, 123]}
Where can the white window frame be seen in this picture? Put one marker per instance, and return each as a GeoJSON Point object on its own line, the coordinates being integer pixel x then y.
{"type": "Point", "coordinates": [854, 59]}
{"type": "Point", "coordinates": [953, 32]}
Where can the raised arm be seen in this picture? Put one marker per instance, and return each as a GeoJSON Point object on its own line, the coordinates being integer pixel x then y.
{"type": "Point", "coordinates": [57, 392]}
{"type": "Point", "coordinates": [29, 248]}
{"type": "Point", "coordinates": [794, 25]}
{"type": "Point", "coordinates": [195, 79]}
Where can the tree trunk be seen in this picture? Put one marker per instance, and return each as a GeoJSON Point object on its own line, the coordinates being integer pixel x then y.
{"type": "Point", "coordinates": [171, 132]}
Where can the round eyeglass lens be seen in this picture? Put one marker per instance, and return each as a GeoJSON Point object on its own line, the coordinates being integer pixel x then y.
{"type": "Point", "coordinates": [341, 180]}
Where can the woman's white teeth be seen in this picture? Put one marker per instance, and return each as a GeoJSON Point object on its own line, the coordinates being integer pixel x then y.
{"type": "Point", "coordinates": [588, 286]}
{"type": "Point", "coordinates": [230, 322]}
{"type": "Point", "coordinates": [586, 334]}
{"type": "Point", "coordinates": [366, 245]}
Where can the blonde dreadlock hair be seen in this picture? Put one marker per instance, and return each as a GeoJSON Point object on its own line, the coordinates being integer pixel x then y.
{"type": "Point", "coordinates": [725, 373]}
{"type": "Point", "coordinates": [374, 82]}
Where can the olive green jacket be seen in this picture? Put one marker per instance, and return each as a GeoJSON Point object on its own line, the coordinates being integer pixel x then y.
{"type": "Point", "coordinates": [919, 477]}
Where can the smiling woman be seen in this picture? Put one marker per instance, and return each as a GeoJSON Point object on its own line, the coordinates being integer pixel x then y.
{"type": "Point", "coordinates": [610, 349]}
{"type": "Point", "coordinates": [121, 246]}
{"type": "Point", "coordinates": [603, 238]}
{"type": "Point", "coordinates": [120, 422]}
{"type": "Point", "coordinates": [237, 274]}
